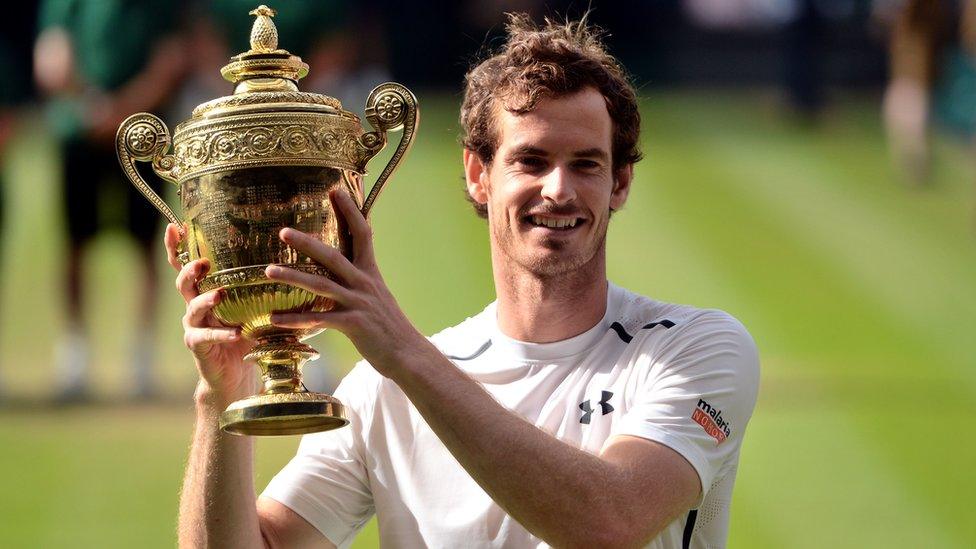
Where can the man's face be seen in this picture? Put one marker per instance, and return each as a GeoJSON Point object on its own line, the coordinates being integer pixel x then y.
{"type": "Point", "coordinates": [551, 186]}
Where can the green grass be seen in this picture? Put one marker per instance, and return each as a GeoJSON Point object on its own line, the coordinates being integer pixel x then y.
{"type": "Point", "coordinates": [857, 288]}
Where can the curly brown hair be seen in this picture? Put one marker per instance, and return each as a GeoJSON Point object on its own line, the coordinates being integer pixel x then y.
{"type": "Point", "coordinates": [553, 60]}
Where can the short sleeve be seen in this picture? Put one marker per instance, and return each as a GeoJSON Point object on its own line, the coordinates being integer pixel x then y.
{"type": "Point", "coordinates": [326, 482]}
{"type": "Point", "coordinates": [699, 394]}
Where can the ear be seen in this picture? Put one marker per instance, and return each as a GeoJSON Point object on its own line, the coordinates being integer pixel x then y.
{"type": "Point", "coordinates": [621, 186]}
{"type": "Point", "coordinates": [476, 177]}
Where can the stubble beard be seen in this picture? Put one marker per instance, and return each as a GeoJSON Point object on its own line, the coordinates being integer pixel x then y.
{"type": "Point", "coordinates": [560, 264]}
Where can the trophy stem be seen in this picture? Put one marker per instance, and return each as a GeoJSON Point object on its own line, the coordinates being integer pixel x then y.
{"type": "Point", "coordinates": [285, 407]}
{"type": "Point", "coordinates": [281, 359]}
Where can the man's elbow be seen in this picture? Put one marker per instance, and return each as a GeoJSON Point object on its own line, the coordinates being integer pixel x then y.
{"type": "Point", "coordinates": [611, 534]}
{"type": "Point", "coordinates": [620, 532]}
{"type": "Point", "coordinates": [619, 537]}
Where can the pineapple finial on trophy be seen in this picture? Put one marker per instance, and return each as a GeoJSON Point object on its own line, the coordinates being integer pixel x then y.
{"type": "Point", "coordinates": [264, 34]}
{"type": "Point", "coordinates": [264, 67]}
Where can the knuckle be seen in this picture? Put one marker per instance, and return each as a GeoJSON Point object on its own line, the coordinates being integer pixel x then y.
{"type": "Point", "coordinates": [369, 285]}
{"type": "Point", "coordinates": [324, 286]}
{"type": "Point", "coordinates": [357, 301]}
{"type": "Point", "coordinates": [354, 321]}
{"type": "Point", "coordinates": [331, 253]}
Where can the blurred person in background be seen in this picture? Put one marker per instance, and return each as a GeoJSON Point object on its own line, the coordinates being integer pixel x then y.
{"type": "Point", "coordinates": [968, 28]}
{"type": "Point", "coordinates": [17, 89]}
{"type": "Point", "coordinates": [569, 412]}
{"type": "Point", "coordinates": [919, 31]}
{"type": "Point", "coordinates": [803, 78]}
{"type": "Point", "coordinates": [100, 62]}
{"type": "Point", "coordinates": [955, 100]}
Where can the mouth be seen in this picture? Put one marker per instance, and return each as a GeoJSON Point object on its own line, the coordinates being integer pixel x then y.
{"type": "Point", "coordinates": [551, 223]}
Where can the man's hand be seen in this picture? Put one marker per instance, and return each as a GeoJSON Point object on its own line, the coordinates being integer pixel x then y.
{"type": "Point", "coordinates": [366, 312]}
{"type": "Point", "coordinates": [218, 349]}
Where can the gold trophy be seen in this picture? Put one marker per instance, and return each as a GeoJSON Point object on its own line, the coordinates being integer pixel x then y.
{"type": "Point", "coordinates": [247, 165]}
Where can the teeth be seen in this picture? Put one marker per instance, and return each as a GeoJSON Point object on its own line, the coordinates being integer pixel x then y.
{"type": "Point", "coordinates": [553, 223]}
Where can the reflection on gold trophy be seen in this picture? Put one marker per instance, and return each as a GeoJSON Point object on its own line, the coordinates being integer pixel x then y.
{"type": "Point", "coordinates": [247, 165]}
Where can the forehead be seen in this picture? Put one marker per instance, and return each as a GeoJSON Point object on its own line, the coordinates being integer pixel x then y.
{"type": "Point", "coordinates": [578, 121]}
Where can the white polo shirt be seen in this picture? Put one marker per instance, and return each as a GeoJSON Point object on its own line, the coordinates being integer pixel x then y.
{"type": "Point", "coordinates": [681, 376]}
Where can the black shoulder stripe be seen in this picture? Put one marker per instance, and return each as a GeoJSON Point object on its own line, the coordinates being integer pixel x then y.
{"type": "Point", "coordinates": [666, 323]}
{"type": "Point", "coordinates": [689, 528]}
{"type": "Point", "coordinates": [617, 327]}
{"type": "Point", "coordinates": [476, 354]}
{"type": "Point", "coordinates": [621, 332]}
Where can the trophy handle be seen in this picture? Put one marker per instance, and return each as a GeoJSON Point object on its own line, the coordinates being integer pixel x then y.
{"type": "Point", "coordinates": [389, 106]}
{"type": "Point", "coordinates": [144, 137]}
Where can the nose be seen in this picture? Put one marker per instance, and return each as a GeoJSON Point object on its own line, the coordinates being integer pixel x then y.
{"type": "Point", "coordinates": [557, 187]}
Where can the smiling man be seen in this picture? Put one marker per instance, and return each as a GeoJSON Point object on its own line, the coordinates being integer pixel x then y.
{"type": "Point", "coordinates": [570, 412]}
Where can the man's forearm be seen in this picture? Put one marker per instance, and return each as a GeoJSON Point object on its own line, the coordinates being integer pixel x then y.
{"type": "Point", "coordinates": [564, 495]}
{"type": "Point", "coordinates": [217, 504]}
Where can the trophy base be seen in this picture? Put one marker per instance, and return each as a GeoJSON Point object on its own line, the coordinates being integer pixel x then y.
{"type": "Point", "coordinates": [276, 414]}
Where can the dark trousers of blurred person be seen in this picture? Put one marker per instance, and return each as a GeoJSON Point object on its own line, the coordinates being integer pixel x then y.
{"type": "Point", "coordinates": [91, 171]}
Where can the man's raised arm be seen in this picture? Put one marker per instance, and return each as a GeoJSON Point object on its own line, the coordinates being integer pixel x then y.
{"type": "Point", "coordinates": [218, 507]}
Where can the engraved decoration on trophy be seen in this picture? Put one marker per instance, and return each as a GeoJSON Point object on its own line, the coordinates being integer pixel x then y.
{"type": "Point", "coordinates": [247, 165]}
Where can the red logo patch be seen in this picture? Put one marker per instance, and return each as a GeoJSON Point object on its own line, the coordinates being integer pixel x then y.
{"type": "Point", "coordinates": [711, 420]}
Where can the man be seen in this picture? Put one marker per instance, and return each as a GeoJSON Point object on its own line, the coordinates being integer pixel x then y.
{"type": "Point", "coordinates": [569, 412]}
{"type": "Point", "coordinates": [100, 62]}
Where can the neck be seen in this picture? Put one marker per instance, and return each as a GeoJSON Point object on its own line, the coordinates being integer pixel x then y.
{"type": "Point", "coordinates": [544, 309]}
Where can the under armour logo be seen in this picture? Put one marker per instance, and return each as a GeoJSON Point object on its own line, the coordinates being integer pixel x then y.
{"type": "Point", "coordinates": [605, 406]}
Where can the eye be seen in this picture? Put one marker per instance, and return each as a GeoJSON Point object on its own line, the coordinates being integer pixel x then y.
{"type": "Point", "coordinates": [586, 165]}
{"type": "Point", "coordinates": [530, 163]}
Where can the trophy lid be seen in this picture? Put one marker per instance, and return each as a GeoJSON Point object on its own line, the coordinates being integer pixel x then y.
{"type": "Point", "coordinates": [265, 78]}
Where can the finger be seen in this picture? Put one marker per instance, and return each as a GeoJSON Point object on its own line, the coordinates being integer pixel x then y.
{"type": "Point", "coordinates": [190, 274]}
{"type": "Point", "coordinates": [199, 307]}
{"type": "Point", "coordinates": [327, 256]}
{"type": "Point", "coordinates": [331, 319]}
{"type": "Point", "coordinates": [362, 233]}
{"type": "Point", "coordinates": [172, 239]}
{"type": "Point", "coordinates": [317, 284]}
{"type": "Point", "coordinates": [194, 338]}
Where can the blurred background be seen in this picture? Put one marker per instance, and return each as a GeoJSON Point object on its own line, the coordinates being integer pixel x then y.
{"type": "Point", "coordinates": [809, 168]}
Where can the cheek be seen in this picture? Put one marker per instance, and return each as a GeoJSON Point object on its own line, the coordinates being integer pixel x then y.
{"type": "Point", "coordinates": [509, 201]}
{"type": "Point", "coordinates": [596, 198]}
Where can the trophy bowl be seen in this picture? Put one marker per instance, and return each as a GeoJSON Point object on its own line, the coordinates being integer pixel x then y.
{"type": "Point", "coordinates": [248, 165]}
